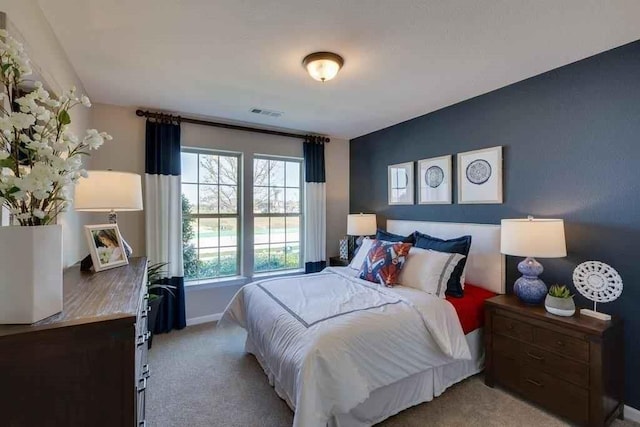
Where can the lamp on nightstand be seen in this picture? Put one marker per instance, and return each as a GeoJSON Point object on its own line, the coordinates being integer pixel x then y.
{"type": "Point", "coordinates": [359, 225]}
{"type": "Point", "coordinates": [529, 238]}
{"type": "Point", "coordinates": [109, 191]}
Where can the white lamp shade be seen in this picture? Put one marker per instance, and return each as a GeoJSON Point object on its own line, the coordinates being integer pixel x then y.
{"type": "Point", "coordinates": [361, 224]}
{"type": "Point", "coordinates": [532, 237]}
{"type": "Point", "coordinates": [105, 191]}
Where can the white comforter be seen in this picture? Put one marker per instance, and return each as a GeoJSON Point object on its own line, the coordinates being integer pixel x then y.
{"type": "Point", "coordinates": [327, 340]}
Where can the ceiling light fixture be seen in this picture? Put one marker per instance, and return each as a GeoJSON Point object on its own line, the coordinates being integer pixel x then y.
{"type": "Point", "coordinates": [322, 66]}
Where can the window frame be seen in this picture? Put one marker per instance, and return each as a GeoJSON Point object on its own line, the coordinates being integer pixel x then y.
{"type": "Point", "coordinates": [301, 214]}
{"type": "Point", "coordinates": [238, 215]}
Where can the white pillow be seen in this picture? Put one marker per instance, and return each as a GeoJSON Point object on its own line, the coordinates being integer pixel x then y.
{"type": "Point", "coordinates": [428, 270]}
{"type": "Point", "coordinates": [359, 257]}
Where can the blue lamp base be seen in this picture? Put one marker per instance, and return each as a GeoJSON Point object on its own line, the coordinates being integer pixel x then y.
{"type": "Point", "coordinates": [529, 288]}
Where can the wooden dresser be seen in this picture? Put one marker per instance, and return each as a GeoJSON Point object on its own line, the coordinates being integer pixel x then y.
{"type": "Point", "coordinates": [86, 366]}
{"type": "Point", "coordinates": [573, 366]}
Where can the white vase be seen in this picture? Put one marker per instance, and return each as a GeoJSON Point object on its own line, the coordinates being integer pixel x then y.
{"type": "Point", "coordinates": [30, 273]}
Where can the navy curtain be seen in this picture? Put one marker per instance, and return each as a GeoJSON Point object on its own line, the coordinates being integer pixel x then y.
{"type": "Point", "coordinates": [315, 206]}
{"type": "Point", "coordinates": [163, 212]}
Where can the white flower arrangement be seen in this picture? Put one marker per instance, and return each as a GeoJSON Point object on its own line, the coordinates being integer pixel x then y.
{"type": "Point", "coordinates": [39, 156]}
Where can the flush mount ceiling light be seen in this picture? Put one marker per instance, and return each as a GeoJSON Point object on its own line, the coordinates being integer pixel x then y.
{"type": "Point", "coordinates": [322, 66]}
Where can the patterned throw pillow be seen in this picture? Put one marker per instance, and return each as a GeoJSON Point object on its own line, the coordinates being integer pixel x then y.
{"type": "Point", "coordinates": [384, 262]}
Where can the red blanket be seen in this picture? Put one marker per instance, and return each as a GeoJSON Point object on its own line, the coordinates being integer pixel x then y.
{"type": "Point", "coordinates": [470, 308]}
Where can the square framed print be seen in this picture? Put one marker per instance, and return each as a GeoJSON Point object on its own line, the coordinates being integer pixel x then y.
{"type": "Point", "coordinates": [480, 176]}
{"type": "Point", "coordinates": [400, 183]}
{"type": "Point", "coordinates": [106, 247]}
{"type": "Point", "coordinates": [435, 185]}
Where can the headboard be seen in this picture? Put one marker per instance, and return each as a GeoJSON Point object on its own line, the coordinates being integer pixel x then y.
{"type": "Point", "coordinates": [485, 264]}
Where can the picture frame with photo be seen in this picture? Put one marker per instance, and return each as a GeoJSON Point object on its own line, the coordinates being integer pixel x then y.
{"type": "Point", "coordinates": [480, 176]}
{"type": "Point", "coordinates": [400, 184]}
{"type": "Point", "coordinates": [105, 246]}
{"type": "Point", "coordinates": [435, 186]}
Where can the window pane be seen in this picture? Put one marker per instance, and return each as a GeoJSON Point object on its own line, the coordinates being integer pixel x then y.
{"type": "Point", "coordinates": [228, 261]}
{"type": "Point", "coordinates": [208, 233]}
{"type": "Point", "coordinates": [277, 230]}
{"type": "Point", "coordinates": [276, 256]}
{"type": "Point", "coordinates": [208, 169]}
{"type": "Point", "coordinates": [208, 199]}
{"type": "Point", "coordinates": [293, 255]}
{"type": "Point", "coordinates": [260, 230]}
{"type": "Point", "coordinates": [261, 258]}
{"type": "Point", "coordinates": [208, 263]}
{"type": "Point", "coordinates": [228, 170]}
{"type": "Point", "coordinates": [293, 174]}
{"type": "Point", "coordinates": [276, 173]}
{"type": "Point", "coordinates": [191, 236]}
{"type": "Point", "coordinates": [260, 172]}
{"type": "Point", "coordinates": [261, 200]}
{"type": "Point", "coordinates": [228, 199]}
{"type": "Point", "coordinates": [293, 229]}
{"type": "Point", "coordinates": [228, 232]}
{"type": "Point", "coordinates": [190, 191]}
{"type": "Point", "coordinates": [189, 167]}
{"type": "Point", "coordinates": [276, 200]}
{"type": "Point", "coordinates": [292, 200]}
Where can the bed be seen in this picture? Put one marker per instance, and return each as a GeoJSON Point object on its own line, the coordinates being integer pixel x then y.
{"type": "Point", "coordinates": [344, 352]}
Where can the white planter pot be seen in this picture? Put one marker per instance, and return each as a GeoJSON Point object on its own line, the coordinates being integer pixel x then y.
{"type": "Point", "coordinates": [30, 273]}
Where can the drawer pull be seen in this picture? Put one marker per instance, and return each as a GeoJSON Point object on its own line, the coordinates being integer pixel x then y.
{"type": "Point", "coordinates": [510, 326]}
{"type": "Point", "coordinates": [534, 382]}
{"type": "Point", "coordinates": [146, 371]}
{"type": "Point", "coordinates": [534, 356]}
{"type": "Point", "coordinates": [560, 343]}
{"type": "Point", "coordinates": [142, 423]}
{"type": "Point", "coordinates": [143, 385]}
{"type": "Point", "coordinates": [143, 338]}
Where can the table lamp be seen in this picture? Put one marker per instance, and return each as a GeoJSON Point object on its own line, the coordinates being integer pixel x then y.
{"type": "Point", "coordinates": [359, 225]}
{"type": "Point", "coordinates": [529, 238]}
{"type": "Point", "coordinates": [109, 191]}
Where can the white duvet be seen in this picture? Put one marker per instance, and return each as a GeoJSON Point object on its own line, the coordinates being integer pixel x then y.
{"type": "Point", "coordinates": [327, 340]}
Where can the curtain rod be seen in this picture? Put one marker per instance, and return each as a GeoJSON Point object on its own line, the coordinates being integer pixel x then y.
{"type": "Point", "coordinates": [149, 114]}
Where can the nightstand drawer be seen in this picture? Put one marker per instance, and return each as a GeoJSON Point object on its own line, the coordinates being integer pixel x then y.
{"type": "Point", "coordinates": [559, 396]}
{"type": "Point", "coordinates": [512, 328]}
{"type": "Point", "coordinates": [542, 360]}
{"type": "Point", "coordinates": [561, 343]}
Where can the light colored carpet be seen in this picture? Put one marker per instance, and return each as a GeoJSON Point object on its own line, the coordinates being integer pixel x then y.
{"type": "Point", "coordinates": [201, 377]}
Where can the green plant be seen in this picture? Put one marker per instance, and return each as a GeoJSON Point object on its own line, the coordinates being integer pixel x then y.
{"type": "Point", "coordinates": [560, 291]}
{"type": "Point", "coordinates": [189, 255]}
{"type": "Point", "coordinates": [155, 275]}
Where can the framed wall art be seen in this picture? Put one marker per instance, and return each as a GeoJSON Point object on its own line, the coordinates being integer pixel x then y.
{"type": "Point", "coordinates": [480, 176]}
{"type": "Point", "coordinates": [400, 183]}
{"type": "Point", "coordinates": [435, 185]}
{"type": "Point", "coordinates": [106, 247]}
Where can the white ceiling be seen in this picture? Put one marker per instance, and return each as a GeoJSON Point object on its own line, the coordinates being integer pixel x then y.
{"type": "Point", "coordinates": [403, 58]}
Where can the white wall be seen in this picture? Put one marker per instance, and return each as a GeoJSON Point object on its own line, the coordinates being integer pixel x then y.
{"type": "Point", "coordinates": [29, 25]}
{"type": "Point", "coordinates": [126, 153]}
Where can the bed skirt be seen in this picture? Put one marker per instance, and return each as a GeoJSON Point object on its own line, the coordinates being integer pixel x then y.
{"type": "Point", "coordinates": [394, 398]}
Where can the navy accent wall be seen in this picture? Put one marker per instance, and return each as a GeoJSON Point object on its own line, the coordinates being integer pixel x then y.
{"type": "Point", "coordinates": [571, 140]}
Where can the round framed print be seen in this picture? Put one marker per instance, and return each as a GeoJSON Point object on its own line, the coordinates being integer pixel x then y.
{"type": "Point", "coordinates": [478, 171]}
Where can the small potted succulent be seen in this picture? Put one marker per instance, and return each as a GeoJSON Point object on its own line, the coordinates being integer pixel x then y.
{"type": "Point", "coordinates": [559, 301]}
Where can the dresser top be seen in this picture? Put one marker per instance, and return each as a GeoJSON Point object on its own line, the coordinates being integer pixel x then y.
{"type": "Point", "coordinates": [92, 297]}
{"type": "Point", "coordinates": [577, 322]}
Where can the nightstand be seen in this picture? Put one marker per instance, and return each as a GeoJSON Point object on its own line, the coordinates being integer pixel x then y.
{"type": "Point", "coordinates": [572, 366]}
{"type": "Point", "coordinates": [336, 261]}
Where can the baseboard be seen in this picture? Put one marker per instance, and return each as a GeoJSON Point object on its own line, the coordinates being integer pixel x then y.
{"type": "Point", "coordinates": [631, 414]}
{"type": "Point", "coordinates": [204, 319]}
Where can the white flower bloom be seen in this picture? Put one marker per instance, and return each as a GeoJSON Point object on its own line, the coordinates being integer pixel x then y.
{"type": "Point", "coordinates": [38, 213]}
{"type": "Point", "coordinates": [21, 120]}
{"type": "Point", "coordinates": [85, 101]}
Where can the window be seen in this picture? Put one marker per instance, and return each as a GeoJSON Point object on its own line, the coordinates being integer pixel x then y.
{"type": "Point", "coordinates": [277, 211]}
{"type": "Point", "coordinates": [211, 219]}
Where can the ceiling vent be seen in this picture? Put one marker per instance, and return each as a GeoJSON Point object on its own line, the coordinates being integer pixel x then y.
{"type": "Point", "coordinates": [267, 113]}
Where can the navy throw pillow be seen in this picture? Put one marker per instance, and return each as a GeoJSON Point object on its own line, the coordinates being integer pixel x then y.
{"type": "Point", "coordinates": [460, 245]}
{"type": "Point", "coordinates": [390, 237]}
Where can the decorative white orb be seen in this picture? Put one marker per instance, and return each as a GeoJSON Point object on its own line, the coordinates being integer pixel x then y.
{"type": "Point", "coordinates": [597, 281]}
